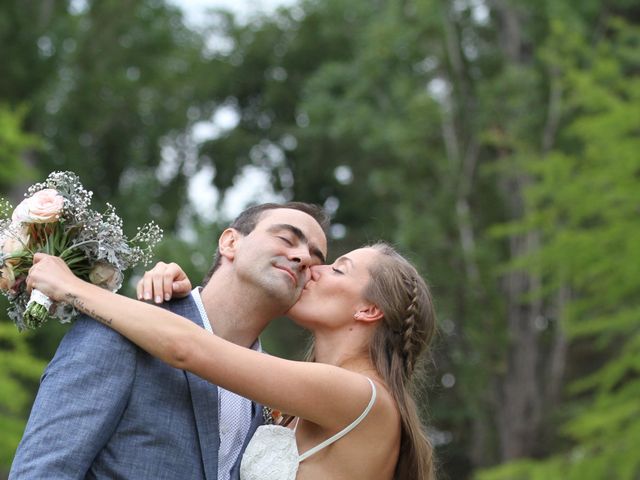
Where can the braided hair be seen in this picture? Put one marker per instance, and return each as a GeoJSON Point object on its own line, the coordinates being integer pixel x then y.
{"type": "Point", "coordinates": [407, 328]}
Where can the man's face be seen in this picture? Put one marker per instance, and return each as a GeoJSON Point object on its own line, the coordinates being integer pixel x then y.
{"type": "Point", "coordinates": [279, 251]}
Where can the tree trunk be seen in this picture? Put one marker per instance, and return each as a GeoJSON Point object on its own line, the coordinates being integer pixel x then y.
{"type": "Point", "coordinates": [520, 413]}
{"type": "Point", "coordinates": [530, 386]}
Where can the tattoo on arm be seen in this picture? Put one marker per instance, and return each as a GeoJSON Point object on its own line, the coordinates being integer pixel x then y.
{"type": "Point", "coordinates": [79, 305]}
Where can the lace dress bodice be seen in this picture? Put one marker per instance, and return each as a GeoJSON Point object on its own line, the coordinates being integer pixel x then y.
{"type": "Point", "coordinates": [272, 453]}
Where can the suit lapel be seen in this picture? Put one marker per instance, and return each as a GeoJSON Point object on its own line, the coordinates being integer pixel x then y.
{"type": "Point", "coordinates": [204, 398]}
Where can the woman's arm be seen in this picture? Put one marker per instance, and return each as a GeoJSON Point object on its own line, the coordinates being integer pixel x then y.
{"type": "Point", "coordinates": [327, 395]}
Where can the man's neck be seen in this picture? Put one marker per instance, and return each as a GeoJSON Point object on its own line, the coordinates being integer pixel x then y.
{"type": "Point", "coordinates": [236, 314]}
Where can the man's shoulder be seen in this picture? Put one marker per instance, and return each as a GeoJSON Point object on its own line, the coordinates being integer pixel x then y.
{"type": "Point", "coordinates": [185, 306]}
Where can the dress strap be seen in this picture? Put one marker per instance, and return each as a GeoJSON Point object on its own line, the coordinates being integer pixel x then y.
{"type": "Point", "coordinates": [346, 430]}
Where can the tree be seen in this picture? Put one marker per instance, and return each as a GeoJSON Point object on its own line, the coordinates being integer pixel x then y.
{"type": "Point", "coordinates": [584, 203]}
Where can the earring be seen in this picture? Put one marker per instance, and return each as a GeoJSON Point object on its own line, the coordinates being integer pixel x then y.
{"type": "Point", "coordinates": [356, 315]}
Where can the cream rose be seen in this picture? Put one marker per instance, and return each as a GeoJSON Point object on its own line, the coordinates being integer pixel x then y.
{"type": "Point", "coordinates": [15, 242]}
{"type": "Point", "coordinates": [7, 277]}
{"type": "Point", "coordinates": [44, 206]}
{"type": "Point", "coordinates": [21, 213]}
{"type": "Point", "coordinates": [106, 276]}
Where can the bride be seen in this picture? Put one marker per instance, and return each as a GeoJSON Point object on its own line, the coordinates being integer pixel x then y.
{"type": "Point", "coordinates": [371, 315]}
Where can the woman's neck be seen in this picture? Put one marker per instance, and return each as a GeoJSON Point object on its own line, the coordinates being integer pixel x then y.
{"type": "Point", "coordinates": [346, 349]}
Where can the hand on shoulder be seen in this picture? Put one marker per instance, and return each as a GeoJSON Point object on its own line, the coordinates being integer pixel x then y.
{"type": "Point", "coordinates": [163, 282]}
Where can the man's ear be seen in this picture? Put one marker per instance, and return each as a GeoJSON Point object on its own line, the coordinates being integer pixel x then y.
{"type": "Point", "coordinates": [369, 312]}
{"type": "Point", "coordinates": [228, 243]}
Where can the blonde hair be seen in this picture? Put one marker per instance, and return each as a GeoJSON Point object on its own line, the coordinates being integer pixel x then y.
{"type": "Point", "coordinates": [408, 326]}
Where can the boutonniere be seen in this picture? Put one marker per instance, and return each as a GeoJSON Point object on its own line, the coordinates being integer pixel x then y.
{"type": "Point", "coordinates": [271, 416]}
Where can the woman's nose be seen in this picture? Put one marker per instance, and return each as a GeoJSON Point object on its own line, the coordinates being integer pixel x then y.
{"type": "Point", "coordinates": [316, 271]}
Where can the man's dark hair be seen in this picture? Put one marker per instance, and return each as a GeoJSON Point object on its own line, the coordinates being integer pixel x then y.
{"type": "Point", "coordinates": [249, 218]}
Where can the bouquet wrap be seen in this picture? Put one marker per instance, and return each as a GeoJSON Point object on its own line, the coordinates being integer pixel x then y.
{"type": "Point", "coordinates": [37, 310]}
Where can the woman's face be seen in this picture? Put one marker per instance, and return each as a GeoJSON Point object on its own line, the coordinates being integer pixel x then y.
{"type": "Point", "coordinates": [334, 292]}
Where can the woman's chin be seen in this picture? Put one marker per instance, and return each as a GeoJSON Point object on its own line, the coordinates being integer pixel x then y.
{"type": "Point", "coordinates": [297, 315]}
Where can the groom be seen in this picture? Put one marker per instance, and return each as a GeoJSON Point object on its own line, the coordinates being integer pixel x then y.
{"type": "Point", "coordinates": [106, 409]}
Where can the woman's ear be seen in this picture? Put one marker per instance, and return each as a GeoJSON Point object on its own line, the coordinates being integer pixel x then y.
{"type": "Point", "coordinates": [228, 242]}
{"type": "Point", "coordinates": [369, 312]}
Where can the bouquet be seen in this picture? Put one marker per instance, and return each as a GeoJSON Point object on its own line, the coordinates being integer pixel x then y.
{"type": "Point", "coordinates": [55, 218]}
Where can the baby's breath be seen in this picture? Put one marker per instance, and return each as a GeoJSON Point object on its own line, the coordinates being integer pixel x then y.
{"type": "Point", "coordinates": [6, 209]}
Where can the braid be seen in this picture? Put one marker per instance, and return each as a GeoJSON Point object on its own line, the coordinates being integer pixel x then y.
{"type": "Point", "coordinates": [408, 329]}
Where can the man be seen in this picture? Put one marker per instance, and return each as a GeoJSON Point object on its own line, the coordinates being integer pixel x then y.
{"type": "Point", "coordinates": [106, 409]}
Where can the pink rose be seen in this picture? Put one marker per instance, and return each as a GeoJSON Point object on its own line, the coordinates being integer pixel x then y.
{"type": "Point", "coordinates": [44, 206]}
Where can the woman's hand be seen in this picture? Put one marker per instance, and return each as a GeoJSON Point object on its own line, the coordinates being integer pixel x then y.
{"type": "Point", "coordinates": [163, 282]}
{"type": "Point", "coordinates": [51, 276]}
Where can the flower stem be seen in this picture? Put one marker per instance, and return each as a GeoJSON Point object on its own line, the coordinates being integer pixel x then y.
{"type": "Point", "coordinates": [35, 315]}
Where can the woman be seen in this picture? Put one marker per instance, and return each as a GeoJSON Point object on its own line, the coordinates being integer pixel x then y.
{"type": "Point", "coordinates": [371, 315]}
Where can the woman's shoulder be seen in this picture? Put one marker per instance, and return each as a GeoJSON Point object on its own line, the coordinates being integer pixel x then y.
{"type": "Point", "coordinates": [385, 407]}
{"type": "Point", "coordinates": [381, 416]}
{"type": "Point", "coordinates": [382, 403]}
{"type": "Point", "coordinates": [371, 449]}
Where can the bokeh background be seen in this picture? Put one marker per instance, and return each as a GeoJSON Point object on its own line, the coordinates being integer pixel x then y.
{"type": "Point", "coordinates": [494, 141]}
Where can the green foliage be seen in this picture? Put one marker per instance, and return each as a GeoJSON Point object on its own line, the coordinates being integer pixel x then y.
{"type": "Point", "coordinates": [32, 37]}
{"type": "Point", "coordinates": [112, 92]}
{"type": "Point", "coordinates": [14, 141]}
{"type": "Point", "coordinates": [194, 254]}
{"type": "Point", "coordinates": [586, 204]}
{"type": "Point", "coordinates": [19, 370]}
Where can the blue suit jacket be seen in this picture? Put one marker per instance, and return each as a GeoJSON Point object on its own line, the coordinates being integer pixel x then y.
{"type": "Point", "coordinates": [108, 410]}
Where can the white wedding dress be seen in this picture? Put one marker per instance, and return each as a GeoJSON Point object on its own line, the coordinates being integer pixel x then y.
{"type": "Point", "coordinates": [272, 453]}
